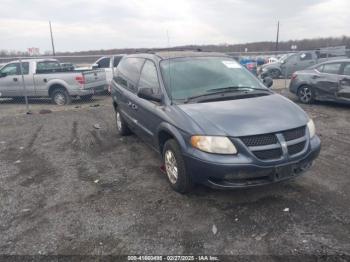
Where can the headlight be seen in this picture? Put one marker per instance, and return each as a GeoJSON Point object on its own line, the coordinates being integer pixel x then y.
{"type": "Point", "coordinates": [213, 144]}
{"type": "Point", "coordinates": [263, 69]}
{"type": "Point", "coordinates": [311, 127]}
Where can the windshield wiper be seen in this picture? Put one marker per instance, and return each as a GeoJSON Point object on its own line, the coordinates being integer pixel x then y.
{"type": "Point", "coordinates": [235, 88]}
{"type": "Point", "coordinates": [223, 90]}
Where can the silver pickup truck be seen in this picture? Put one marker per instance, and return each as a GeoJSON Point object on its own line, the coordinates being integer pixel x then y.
{"type": "Point", "coordinates": [46, 78]}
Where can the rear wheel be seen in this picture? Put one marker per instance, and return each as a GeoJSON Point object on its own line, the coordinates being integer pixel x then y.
{"type": "Point", "coordinates": [86, 97]}
{"type": "Point", "coordinates": [61, 97]}
{"type": "Point", "coordinates": [175, 168]}
{"type": "Point", "coordinates": [274, 73]}
{"type": "Point", "coordinates": [305, 94]}
{"type": "Point", "coordinates": [122, 126]}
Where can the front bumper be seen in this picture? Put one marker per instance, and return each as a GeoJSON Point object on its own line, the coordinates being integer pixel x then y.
{"type": "Point", "coordinates": [248, 172]}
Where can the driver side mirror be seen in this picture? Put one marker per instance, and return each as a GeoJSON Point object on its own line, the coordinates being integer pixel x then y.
{"type": "Point", "coordinates": [147, 93]}
{"type": "Point", "coordinates": [94, 66]}
{"type": "Point", "coordinates": [268, 81]}
{"type": "Point", "coordinates": [3, 74]}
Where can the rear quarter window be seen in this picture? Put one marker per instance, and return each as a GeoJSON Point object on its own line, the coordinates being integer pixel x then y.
{"type": "Point", "coordinates": [129, 70]}
{"type": "Point", "coordinates": [332, 68]}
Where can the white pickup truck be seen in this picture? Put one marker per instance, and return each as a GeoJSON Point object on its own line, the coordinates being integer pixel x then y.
{"type": "Point", "coordinates": [109, 64]}
{"type": "Point", "coordinates": [46, 78]}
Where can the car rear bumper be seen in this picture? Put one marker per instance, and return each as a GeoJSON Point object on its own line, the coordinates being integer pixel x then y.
{"type": "Point", "coordinates": [249, 174]}
{"type": "Point", "coordinates": [87, 91]}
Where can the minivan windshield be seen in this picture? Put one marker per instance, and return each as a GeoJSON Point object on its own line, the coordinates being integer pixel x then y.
{"type": "Point", "coordinates": [195, 76]}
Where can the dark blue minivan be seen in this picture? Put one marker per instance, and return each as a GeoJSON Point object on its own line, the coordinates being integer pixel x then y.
{"type": "Point", "coordinates": [211, 120]}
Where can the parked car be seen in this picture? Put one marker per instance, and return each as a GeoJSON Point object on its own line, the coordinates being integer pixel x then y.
{"type": "Point", "coordinates": [108, 63]}
{"type": "Point", "coordinates": [329, 81]}
{"type": "Point", "coordinates": [250, 64]}
{"type": "Point", "coordinates": [46, 78]}
{"type": "Point", "coordinates": [290, 63]}
{"type": "Point", "coordinates": [211, 120]}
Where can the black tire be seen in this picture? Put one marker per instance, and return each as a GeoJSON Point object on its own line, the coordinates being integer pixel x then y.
{"type": "Point", "coordinates": [122, 126]}
{"type": "Point", "coordinates": [86, 98]}
{"type": "Point", "coordinates": [183, 183]}
{"type": "Point", "coordinates": [61, 97]}
{"type": "Point", "coordinates": [274, 73]}
{"type": "Point", "coordinates": [306, 94]}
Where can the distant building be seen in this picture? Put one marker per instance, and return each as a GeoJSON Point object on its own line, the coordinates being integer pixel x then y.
{"type": "Point", "coordinates": [33, 51]}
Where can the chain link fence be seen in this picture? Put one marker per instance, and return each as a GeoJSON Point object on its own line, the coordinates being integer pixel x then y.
{"type": "Point", "coordinates": [44, 83]}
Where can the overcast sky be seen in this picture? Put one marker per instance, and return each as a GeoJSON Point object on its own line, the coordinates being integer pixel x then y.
{"type": "Point", "coordinates": [105, 24]}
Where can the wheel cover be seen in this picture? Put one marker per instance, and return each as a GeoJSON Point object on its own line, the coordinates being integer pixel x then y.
{"type": "Point", "coordinates": [305, 94]}
{"type": "Point", "coordinates": [171, 166]}
{"type": "Point", "coordinates": [119, 121]}
{"type": "Point", "coordinates": [60, 99]}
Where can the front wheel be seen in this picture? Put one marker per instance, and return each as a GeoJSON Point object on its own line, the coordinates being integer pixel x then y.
{"type": "Point", "coordinates": [175, 168]}
{"type": "Point", "coordinates": [305, 95]}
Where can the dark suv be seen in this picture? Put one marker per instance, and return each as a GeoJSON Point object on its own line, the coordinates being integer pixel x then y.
{"type": "Point", "coordinates": [212, 121]}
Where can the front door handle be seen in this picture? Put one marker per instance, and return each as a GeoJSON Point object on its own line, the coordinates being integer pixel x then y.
{"type": "Point", "coordinates": [15, 79]}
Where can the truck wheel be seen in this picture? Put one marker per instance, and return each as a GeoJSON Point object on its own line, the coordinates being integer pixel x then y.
{"type": "Point", "coordinates": [122, 126]}
{"type": "Point", "coordinates": [175, 168]}
{"type": "Point", "coordinates": [306, 94]}
{"type": "Point", "coordinates": [61, 97]}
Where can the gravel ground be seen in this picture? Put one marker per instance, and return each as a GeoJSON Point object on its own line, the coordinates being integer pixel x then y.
{"type": "Point", "coordinates": [68, 188]}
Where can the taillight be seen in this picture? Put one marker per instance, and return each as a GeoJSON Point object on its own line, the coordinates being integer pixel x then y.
{"type": "Point", "coordinates": [80, 80]}
{"type": "Point", "coordinates": [294, 76]}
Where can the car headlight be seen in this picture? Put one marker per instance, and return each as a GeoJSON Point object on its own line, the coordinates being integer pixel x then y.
{"type": "Point", "coordinates": [311, 127]}
{"type": "Point", "coordinates": [214, 144]}
{"type": "Point", "coordinates": [263, 69]}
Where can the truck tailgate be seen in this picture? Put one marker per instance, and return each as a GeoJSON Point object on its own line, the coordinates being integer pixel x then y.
{"type": "Point", "coordinates": [94, 78]}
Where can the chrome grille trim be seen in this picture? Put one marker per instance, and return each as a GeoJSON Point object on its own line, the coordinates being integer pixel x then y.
{"type": "Point", "coordinates": [275, 146]}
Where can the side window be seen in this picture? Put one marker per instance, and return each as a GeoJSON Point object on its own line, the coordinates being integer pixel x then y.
{"type": "Point", "coordinates": [305, 56]}
{"type": "Point", "coordinates": [25, 68]}
{"type": "Point", "coordinates": [129, 72]}
{"type": "Point", "coordinates": [149, 77]}
{"type": "Point", "coordinates": [332, 68]}
{"type": "Point", "coordinates": [11, 69]}
{"type": "Point", "coordinates": [346, 70]}
{"type": "Point", "coordinates": [116, 61]}
{"type": "Point", "coordinates": [320, 68]}
{"type": "Point", "coordinates": [104, 62]}
{"type": "Point", "coordinates": [48, 66]}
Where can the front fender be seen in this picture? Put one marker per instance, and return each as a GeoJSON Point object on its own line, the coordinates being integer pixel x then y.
{"type": "Point", "coordinates": [173, 131]}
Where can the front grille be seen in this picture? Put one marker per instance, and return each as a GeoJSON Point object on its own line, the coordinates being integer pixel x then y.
{"type": "Point", "coordinates": [259, 140]}
{"type": "Point", "coordinates": [297, 148]}
{"type": "Point", "coordinates": [294, 133]}
{"type": "Point", "coordinates": [268, 154]}
{"type": "Point", "coordinates": [268, 146]}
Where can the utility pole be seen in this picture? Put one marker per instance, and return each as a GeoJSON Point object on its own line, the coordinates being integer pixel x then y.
{"type": "Point", "coordinates": [53, 45]}
{"type": "Point", "coordinates": [278, 32]}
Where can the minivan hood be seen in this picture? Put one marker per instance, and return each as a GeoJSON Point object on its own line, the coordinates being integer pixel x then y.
{"type": "Point", "coordinates": [249, 116]}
